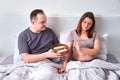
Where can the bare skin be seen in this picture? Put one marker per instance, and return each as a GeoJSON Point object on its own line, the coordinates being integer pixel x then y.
{"type": "Point", "coordinates": [78, 55]}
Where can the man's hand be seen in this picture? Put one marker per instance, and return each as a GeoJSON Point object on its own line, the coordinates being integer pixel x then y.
{"type": "Point", "coordinates": [51, 54]}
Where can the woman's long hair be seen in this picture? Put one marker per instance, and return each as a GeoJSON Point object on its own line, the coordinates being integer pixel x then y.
{"type": "Point", "coordinates": [92, 29]}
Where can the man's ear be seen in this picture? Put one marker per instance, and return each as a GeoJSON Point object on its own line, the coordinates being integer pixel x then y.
{"type": "Point", "coordinates": [32, 21]}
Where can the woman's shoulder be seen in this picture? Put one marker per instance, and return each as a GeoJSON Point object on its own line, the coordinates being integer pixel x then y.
{"type": "Point", "coordinates": [72, 32]}
{"type": "Point", "coordinates": [96, 35]}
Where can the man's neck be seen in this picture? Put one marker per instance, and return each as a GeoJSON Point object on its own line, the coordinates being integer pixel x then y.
{"type": "Point", "coordinates": [34, 30]}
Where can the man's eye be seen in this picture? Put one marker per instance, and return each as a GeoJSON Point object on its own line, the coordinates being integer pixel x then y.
{"type": "Point", "coordinates": [43, 22]}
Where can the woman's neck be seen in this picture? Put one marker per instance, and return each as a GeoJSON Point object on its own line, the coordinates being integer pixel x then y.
{"type": "Point", "coordinates": [84, 35]}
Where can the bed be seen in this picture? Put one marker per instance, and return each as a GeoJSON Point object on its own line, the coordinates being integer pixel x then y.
{"type": "Point", "coordinates": [19, 71]}
{"type": "Point", "coordinates": [93, 70]}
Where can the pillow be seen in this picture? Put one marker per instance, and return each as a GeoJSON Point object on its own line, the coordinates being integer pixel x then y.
{"type": "Point", "coordinates": [103, 49]}
{"type": "Point", "coordinates": [17, 56]}
{"type": "Point", "coordinates": [63, 37]}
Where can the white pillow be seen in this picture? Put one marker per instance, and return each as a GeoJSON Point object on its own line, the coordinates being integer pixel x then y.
{"type": "Point", "coordinates": [63, 37]}
{"type": "Point", "coordinates": [103, 51]}
{"type": "Point", "coordinates": [17, 56]}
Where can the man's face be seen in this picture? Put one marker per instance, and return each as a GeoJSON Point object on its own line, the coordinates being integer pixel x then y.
{"type": "Point", "coordinates": [40, 23]}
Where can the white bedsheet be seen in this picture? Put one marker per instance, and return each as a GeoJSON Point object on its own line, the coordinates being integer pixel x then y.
{"type": "Point", "coordinates": [76, 70]}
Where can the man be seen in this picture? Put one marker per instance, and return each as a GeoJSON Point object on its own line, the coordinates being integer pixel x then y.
{"type": "Point", "coordinates": [35, 42]}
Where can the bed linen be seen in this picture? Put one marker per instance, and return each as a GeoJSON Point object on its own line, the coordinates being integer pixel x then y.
{"type": "Point", "coordinates": [93, 70]}
{"type": "Point", "coordinates": [31, 71]}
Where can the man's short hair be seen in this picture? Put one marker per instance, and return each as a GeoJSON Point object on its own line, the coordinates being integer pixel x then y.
{"type": "Point", "coordinates": [34, 13]}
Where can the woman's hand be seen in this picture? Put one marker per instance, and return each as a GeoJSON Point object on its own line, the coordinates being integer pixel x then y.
{"type": "Point", "coordinates": [62, 70]}
{"type": "Point", "coordinates": [77, 46]}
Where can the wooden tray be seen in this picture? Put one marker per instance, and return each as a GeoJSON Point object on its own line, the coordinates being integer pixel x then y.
{"type": "Point", "coordinates": [60, 48]}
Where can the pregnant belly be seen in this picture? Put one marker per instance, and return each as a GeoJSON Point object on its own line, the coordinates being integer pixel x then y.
{"type": "Point", "coordinates": [81, 56]}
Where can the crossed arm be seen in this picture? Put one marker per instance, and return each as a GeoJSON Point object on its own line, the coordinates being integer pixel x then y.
{"type": "Point", "coordinates": [86, 54]}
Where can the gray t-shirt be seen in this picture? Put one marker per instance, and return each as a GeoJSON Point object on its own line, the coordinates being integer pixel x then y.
{"type": "Point", "coordinates": [87, 43]}
{"type": "Point", "coordinates": [35, 43]}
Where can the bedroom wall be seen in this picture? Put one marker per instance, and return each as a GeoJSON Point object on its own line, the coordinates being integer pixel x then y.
{"type": "Point", "coordinates": [14, 17]}
{"type": "Point", "coordinates": [60, 7]}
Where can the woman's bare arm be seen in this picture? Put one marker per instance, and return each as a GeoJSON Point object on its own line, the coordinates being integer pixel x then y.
{"type": "Point", "coordinates": [94, 51]}
{"type": "Point", "coordinates": [86, 54]}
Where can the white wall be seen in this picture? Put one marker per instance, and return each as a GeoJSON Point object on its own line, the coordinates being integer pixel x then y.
{"type": "Point", "coordinates": [60, 7]}
{"type": "Point", "coordinates": [10, 26]}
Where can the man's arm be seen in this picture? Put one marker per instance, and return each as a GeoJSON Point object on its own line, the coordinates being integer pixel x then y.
{"type": "Point", "coordinates": [31, 58]}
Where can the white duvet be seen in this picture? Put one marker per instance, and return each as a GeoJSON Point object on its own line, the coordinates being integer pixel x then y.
{"type": "Point", "coordinates": [94, 70]}
{"type": "Point", "coordinates": [76, 70]}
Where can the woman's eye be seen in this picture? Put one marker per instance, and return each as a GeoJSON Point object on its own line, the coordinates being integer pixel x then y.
{"type": "Point", "coordinates": [89, 24]}
{"type": "Point", "coordinates": [84, 22]}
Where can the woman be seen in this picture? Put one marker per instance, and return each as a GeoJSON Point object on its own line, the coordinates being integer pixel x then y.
{"type": "Point", "coordinates": [83, 42]}
{"type": "Point", "coordinates": [84, 46]}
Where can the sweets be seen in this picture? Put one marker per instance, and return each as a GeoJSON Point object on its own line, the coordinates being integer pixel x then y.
{"type": "Point", "coordinates": [60, 48]}
{"type": "Point", "coordinates": [62, 51]}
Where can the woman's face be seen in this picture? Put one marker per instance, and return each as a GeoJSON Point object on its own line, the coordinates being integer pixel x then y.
{"type": "Point", "coordinates": [86, 24]}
